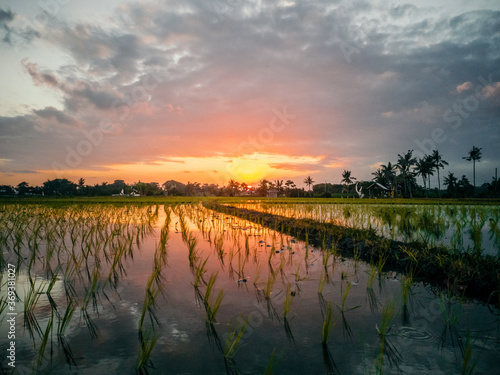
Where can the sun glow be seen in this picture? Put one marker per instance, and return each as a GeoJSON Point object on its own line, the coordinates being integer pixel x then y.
{"type": "Point", "coordinates": [213, 169]}
{"type": "Point", "coordinates": [245, 169]}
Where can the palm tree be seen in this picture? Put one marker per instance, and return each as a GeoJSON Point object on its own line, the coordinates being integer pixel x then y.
{"type": "Point", "coordinates": [438, 163]}
{"type": "Point", "coordinates": [389, 173]}
{"type": "Point", "coordinates": [347, 179]}
{"type": "Point", "coordinates": [289, 185]}
{"type": "Point", "coordinates": [451, 182]}
{"type": "Point", "coordinates": [474, 155]}
{"type": "Point", "coordinates": [425, 168]}
{"type": "Point", "coordinates": [279, 186]}
{"type": "Point", "coordinates": [379, 176]}
{"type": "Point", "coordinates": [430, 165]}
{"type": "Point", "coordinates": [404, 165]}
{"type": "Point", "coordinates": [309, 181]}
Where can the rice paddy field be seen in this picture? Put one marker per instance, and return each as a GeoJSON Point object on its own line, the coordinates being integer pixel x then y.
{"type": "Point", "coordinates": [179, 288]}
{"type": "Point", "coordinates": [464, 227]}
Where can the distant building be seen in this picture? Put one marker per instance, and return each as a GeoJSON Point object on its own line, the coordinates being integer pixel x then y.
{"type": "Point", "coordinates": [377, 190]}
{"type": "Point", "coordinates": [272, 193]}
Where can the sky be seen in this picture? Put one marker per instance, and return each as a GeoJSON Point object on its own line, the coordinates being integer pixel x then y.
{"type": "Point", "coordinates": [213, 90]}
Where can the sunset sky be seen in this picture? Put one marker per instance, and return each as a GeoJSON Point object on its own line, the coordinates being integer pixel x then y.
{"type": "Point", "coordinates": [209, 90]}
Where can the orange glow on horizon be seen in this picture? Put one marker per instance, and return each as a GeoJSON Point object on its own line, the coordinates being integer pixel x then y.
{"type": "Point", "coordinates": [211, 169]}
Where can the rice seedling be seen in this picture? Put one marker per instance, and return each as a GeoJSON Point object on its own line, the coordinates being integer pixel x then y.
{"type": "Point", "coordinates": [451, 314]}
{"type": "Point", "coordinates": [219, 246]}
{"type": "Point", "coordinates": [343, 309]}
{"type": "Point", "coordinates": [343, 275]}
{"type": "Point", "coordinates": [328, 324]}
{"type": "Point", "coordinates": [386, 348]}
{"type": "Point", "coordinates": [147, 343]}
{"type": "Point", "coordinates": [297, 274]}
{"type": "Point", "coordinates": [406, 284]}
{"type": "Point", "coordinates": [149, 304]}
{"type": "Point", "coordinates": [269, 286]}
{"type": "Point", "coordinates": [370, 293]}
{"type": "Point", "coordinates": [356, 256]}
{"type": "Point", "coordinates": [30, 300]}
{"type": "Point", "coordinates": [326, 258]}
{"type": "Point", "coordinates": [273, 363]}
{"type": "Point", "coordinates": [199, 272]}
{"type": "Point", "coordinates": [234, 337]}
{"type": "Point", "coordinates": [191, 242]}
{"type": "Point", "coordinates": [212, 305]}
{"type": "Point", "coordinates": [63, 322]}
{"type": "Point", "coordinates": [43, 344]}
{"type": "Point", "coordinates": [51, 284]}
{"type": "Point", "coordinates": [469, 362]}
{"type": "Point", "coordinates": [247, 246]}
{"type": "Point", "coordinates": [322, 282]}
{"type": "Point", "coordinates": [288, 301]}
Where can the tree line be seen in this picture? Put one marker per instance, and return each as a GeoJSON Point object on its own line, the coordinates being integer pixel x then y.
{"type": "Point", "coordinates": [397, 180]}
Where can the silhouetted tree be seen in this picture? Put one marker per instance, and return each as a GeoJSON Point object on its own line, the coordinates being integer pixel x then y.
{"type": "Point", "coordinates": [438, 164]}
{"type": "Point", "coordinates": [475, 154]}
{"type": "Point", "coordinates": [309, 181]}
{"type": "Point", "coordinates": [59, 186]}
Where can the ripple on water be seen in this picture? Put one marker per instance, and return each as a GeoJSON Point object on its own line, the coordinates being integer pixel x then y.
{"type": "Point", "coordinates": [415, 334]}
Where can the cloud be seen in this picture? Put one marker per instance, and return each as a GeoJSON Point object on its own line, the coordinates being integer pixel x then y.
{"type": "Point", "coordinates": [464, 87]}
{"type": "Point", "coordinates": [51, 112]}
{"type": "Point", "coordinates": [13, 35]}
{"type": "Point", "coordinates": [491, 90]}
{"type": "Point", "coordinates": [196, 80]}
{"type": "Point", "coordinates": [25, 171]}
{"type": "Point", "coordinates": [295, 167]}
{"type": "Point", "coordinates": [39, 78]}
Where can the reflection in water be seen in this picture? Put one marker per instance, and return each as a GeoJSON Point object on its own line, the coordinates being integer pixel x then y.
{"type": "Point", "coordinates": [181, 289]}
{"type": "Point", "coordinates": [460, 226]}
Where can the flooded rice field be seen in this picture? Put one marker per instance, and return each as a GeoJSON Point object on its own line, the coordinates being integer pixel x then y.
{"type": "Point", "coordinates": [462, 227]}
{"type": "Point", "coordinates": [185, 290]}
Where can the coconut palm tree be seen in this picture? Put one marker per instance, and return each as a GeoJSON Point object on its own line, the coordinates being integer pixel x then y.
{"type": "Point", "coordinates": [379, 176]}
{"type": "Point", "coordinates": [405, 165]}
{"type": "Point", "coordinates": [309, 181]}
{"type": "Point", "coordinates": [347, 179]}
{"type": "Point", "coordinates": [475, 154]}
{"type": "Point", "coordinates": [279, 186]}
{"type": "Point", "coordinates": [424, 167]}
{"type": "Point", "coordinates": [389, 173]}
{"type": "Point", "coordinates": [438, 163]}
{"type": "Point", "coordinates": [451, 182]}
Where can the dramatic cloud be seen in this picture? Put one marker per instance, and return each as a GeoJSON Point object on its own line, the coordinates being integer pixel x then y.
{"type": "Point", "coordinates": [14, 35]}
{"type": "Point", "coordinates": [155, 90]}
